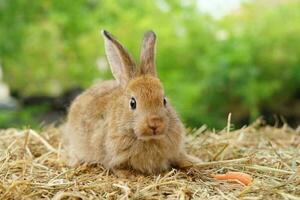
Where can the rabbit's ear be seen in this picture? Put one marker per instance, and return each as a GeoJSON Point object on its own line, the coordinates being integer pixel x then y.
{"type": "Point", "coordinates": [120, 61]}
{"type": "Point", "coordinates": [148, 54]}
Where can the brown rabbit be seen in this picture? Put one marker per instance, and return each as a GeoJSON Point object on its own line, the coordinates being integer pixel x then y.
{"type": "Point", "coordinates": [126, 124]}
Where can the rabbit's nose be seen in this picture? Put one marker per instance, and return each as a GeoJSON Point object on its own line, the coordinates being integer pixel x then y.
{"type": "Point", "coordinates": [154, 129]}
{"type": "Point", "coordinates": [154, 123]}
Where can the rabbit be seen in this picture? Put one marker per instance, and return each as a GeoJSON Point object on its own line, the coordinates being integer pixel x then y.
{"type": "Point", "coordinates": [126, 124]}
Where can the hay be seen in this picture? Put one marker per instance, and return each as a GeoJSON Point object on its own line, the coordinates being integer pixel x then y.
{"type": "Point", "coordinates": [31, 167]}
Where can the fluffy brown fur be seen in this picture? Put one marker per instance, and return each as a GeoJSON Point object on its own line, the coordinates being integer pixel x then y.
{"type": "Point", "coordinates": [103, 128]}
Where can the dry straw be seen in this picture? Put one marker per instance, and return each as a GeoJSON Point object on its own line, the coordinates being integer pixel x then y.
{"type": "Point", "coordinates": [31, 167]}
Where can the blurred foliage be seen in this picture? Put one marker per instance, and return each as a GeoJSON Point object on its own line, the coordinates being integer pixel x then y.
{"type": "Point", "coordinates": [239, 64]}
{"type": "Point", "coordinates": [28, 117]}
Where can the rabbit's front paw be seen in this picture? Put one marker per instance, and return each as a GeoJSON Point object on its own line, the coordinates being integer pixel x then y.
{"type": "Point", "coordinates": [123, 173]}
{"type": "Point", "coordinates": [187, 161]}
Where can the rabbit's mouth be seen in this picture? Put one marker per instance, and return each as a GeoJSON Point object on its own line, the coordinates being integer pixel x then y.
{"type": "Point", "coordinates": [150, 137]}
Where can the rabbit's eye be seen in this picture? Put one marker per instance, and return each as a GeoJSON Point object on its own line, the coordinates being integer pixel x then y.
{"type": "Point", "coordinates": [132, 103]}
{"type": "Point", "coordinates": [165, 101]}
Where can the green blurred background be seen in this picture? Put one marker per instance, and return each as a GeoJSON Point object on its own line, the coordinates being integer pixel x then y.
{"type": "Point", "coordinates": [214, 57]}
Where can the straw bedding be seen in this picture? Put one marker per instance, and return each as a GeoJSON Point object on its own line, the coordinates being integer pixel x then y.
{"type": "Point", "coordinates": [31, 167]}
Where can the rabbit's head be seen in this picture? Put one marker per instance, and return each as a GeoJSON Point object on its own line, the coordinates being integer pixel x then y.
{"type": "Point", "coordinates": [144, 106]}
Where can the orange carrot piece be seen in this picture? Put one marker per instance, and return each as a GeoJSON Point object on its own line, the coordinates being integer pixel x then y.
{"type": "Point", "coordinates": [238, 177]}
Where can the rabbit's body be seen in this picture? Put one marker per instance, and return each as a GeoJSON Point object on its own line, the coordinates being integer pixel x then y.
{"type": "Point", "coordinates": [125, 124]}
{"type": "Point", "coordinates": [86, 128]}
